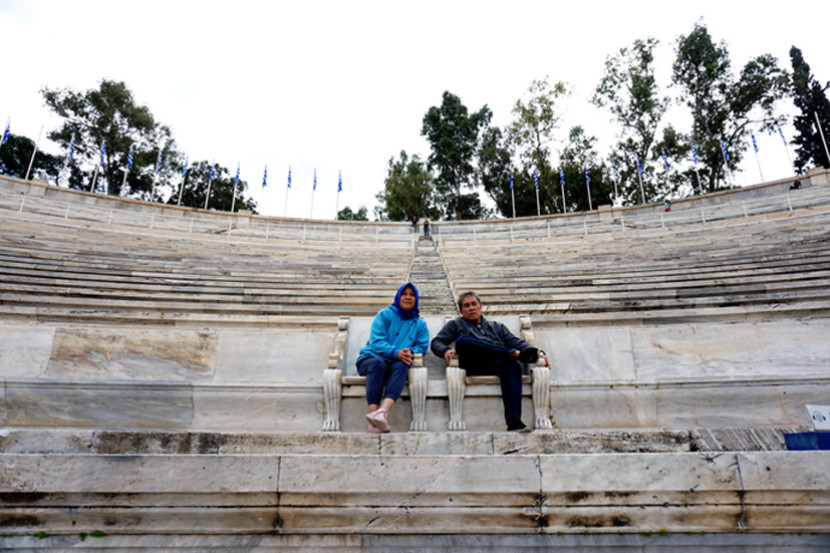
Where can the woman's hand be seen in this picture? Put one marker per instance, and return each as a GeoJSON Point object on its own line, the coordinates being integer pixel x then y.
{"type": "Point", "coordinates": [406, 356]}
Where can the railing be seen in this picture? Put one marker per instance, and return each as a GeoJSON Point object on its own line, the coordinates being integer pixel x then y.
{"type": "Point", "coordinates": [141, 215]}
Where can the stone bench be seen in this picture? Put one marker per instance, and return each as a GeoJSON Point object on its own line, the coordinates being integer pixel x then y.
{"type": "Point", "coordinates": [337, 376]}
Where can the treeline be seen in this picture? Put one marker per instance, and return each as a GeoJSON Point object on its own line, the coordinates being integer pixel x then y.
{"type": "Point", "coordinates": [116, 144]}
{"type": "Point", "coordinates": [652, 160]}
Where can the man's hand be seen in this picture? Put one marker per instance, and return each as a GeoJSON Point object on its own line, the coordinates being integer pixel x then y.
{"type": "Point", "coordinates": [450, 355]}
{"type": "Point", "coordinates": [405, 355]}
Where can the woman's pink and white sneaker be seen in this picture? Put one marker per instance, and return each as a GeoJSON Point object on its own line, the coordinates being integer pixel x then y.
{"type": "Point", "coordinates": [378, 420]}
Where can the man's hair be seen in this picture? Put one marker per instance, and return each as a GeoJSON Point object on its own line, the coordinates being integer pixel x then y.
{"type": "Point", "coordinates": [466, 295]}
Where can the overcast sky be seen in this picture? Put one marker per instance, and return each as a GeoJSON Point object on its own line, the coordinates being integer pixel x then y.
{"type": "Point", "coordinates": [344, 85]}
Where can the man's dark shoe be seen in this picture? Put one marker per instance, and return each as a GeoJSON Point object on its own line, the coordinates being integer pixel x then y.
{"type": "Point", "coordinates": [516, 425]}
{"type": "Point", "coordinates": [530, 355]}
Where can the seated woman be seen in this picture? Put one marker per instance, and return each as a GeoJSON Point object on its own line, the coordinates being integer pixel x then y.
{"type": "Point", "coordinates": [398, 333]}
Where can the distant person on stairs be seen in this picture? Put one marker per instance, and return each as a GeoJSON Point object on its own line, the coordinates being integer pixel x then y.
{"type": "Point", "coordinates": [398, 333]}
{"type": "Point", "coordinates": [488, 348]}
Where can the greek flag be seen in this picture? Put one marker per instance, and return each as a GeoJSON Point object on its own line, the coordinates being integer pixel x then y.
{"type": "Point", "coordinates": [639, 165]}
{"type": "Point", "coordinates": [535, 180]}
{"type": "Point", "coordinates": [236, 180]}
{"type": "Point", "coordinates": [6, 133]}
{"type": "Point", "coordinates": [754, 144]}
{"type": "Point", "coordinates": [72, 147]}
{"type": "Point", "coordinates": [212, 173]}
{"type": "Point", "coordinates": [561, 177]}
{"type": "Point", "coordinates": [616, 171]}
{"type": "Point", "coordinates": [587, 178]}
{"type": "Point", "coordinates": [694, 155]}
{"type": "Point", "coordinates": [158, 163]}
{"type": "Point", "coordinates": [103, 152]}
{"type": "Point", "coordinates": [511, 180]}
{"type": "Point", "coordinates": [184, 171]}
{"type": "Point", "coordinates": [130, 159]}
{"type": "Point", "coordinates": [289, 177]}
{"type": "Point", "coordinates": [723, 148]}
{"type": "Point", "coordinates": [339, 182]}
{"type": "Point", "coordinates": [780, 132]}
{"type": "Point", "coordinates": [315, 180]}
{"type": "Point", "coordinates": [666, 160]}
{"type": "Point", "coordinates": [265, 177]}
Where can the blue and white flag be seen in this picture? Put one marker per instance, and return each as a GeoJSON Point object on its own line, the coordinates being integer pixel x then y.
{"type": "Point", "coordinates": [639, 165]}
{"type": "Point", "coordinates": [103, 152]}
{"type": "Point", "coordinates": [666, 160]}
{"type": "Point", "coordinates": [72, 147]}
{"type": "Point", "coordinates": [535, 180]}
{"type": "Point", "coordinates": [754, 144]}
{"type": "Point", "coordinates": [694, 155]}
{"type": "Point", "coordinates": [158, 163]}
{"type": "Point", "coordinates": [511, 180]}
{"type": "Point", "coordinates": [289, 177]}
{"type": "Point", "coordinates": [616, 171]}
{"type": "Point", "coordinates": [130, 159]}
{"type": "Point", "coordinates": [561, 177]}
{"type": "Point", "coordinates": [315, 180]}
{"type": "Point", "coordinates": [265, 177]}
{"type": "Point", "coordinates": [212, 173]}
{"type": "Point", "coordinates": [6, 133]}
{"type": "Point", "coordinates": [184, 171]}
{"type": "Point", "coordinates": [236, 179]}
{"type": "Point", "coordinates": [780, 132]}
{"type": "Point", "coordinates": [723, 148]}
{"type": "Point", "coordinates": [587, 177]}
{"type": "Point", "coordinates": [339, 182]}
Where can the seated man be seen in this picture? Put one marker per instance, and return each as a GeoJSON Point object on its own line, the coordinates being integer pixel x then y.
{"type": "Point", "coordinates": [488, 348]}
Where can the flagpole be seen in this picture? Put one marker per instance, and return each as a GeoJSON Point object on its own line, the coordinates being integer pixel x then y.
{"type": "Point", "coordinates": [31, 161]}
{"type": "Point", "coordinates": [786, 146]}
{"type": "Point", "coordinates": [184, 178]}
{"type": "Point", "coordinates": [640, 178]}
{"type": "Point", "coordinates": [210, 183]}
{"type": "Point", "coordinates": [156, 176]}
{"type": "Point", "coordinates": [127, 170]}
{"type": "Point", "coordinates": [97, 166]}
{"type": "Point", "coordinates": [287, 190]}
{"type": "Point", "coordinates": [512, 195]}
{"type": "Point", "coordinates": [313, 190]}
{"type": "Point", "coordinates": [588, 188]}
{"type": "Point", "coordinates": [536, 184]}
{"type": "Point", "coordinates": [757, 159]}
{"type": "Point", "coordinates": [66, 159]}
{"type": "Point", "coordinates": [235, 184]}
{"type": "Point", "coordinates": [562, 182]}
{"type": "Point", "coordinates": [821, 132]}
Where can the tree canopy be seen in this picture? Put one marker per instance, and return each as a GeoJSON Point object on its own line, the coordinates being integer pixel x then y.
{"type": "Point", "coordinates": [408, 191]}
{"type": "Point", "coordinates": [453, 135]}
{"type": "Point", "coordinates": [810, 97]}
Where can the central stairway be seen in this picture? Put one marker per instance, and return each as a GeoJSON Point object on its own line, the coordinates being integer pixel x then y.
{"type": "Point", "coordinates": [429, 275]}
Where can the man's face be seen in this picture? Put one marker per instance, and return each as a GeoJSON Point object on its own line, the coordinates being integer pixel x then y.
{"type": "Point", "coordinates": [471, 309]}
{"type": "Point", "coordinates": [407, 299]}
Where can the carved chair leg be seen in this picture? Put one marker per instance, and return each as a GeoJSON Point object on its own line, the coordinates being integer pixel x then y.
{"type": "Point", "coordinates": [456, 388]}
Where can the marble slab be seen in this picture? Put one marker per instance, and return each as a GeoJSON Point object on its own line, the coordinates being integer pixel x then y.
{"type": "Point", "coordinates": [132, 354]}
{"type": "Point", "coordinates": [273, 356]}
{"type": "Point", "coordinates": [24, 350]}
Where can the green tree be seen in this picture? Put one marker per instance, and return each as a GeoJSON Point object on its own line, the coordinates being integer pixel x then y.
{"type": "Point", "coordinates": [810, 97]}
{"type": "Point", "coordinates": [723, 107]}
{"type": "Point", "coordinates": [346, 214]}
{"type": "Point", "coordinates": [221, 189]}
{"type": "Point", "coordinates": [16, 154]}
{"type": "Point", "coordinates": [629, 89]}
{"type": "Point", "coordinates": [110, 115]}
{"type": "Point", "coordinates": [408, 191]}
{"type": "Point", "coordinates": [494, 170]}
{"type": "Point", "coordinates": [578, 157]}
{"type": "Point", "coordinates": [531, 133]}
{"type": "Point", "coordinates": [453, 135]}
